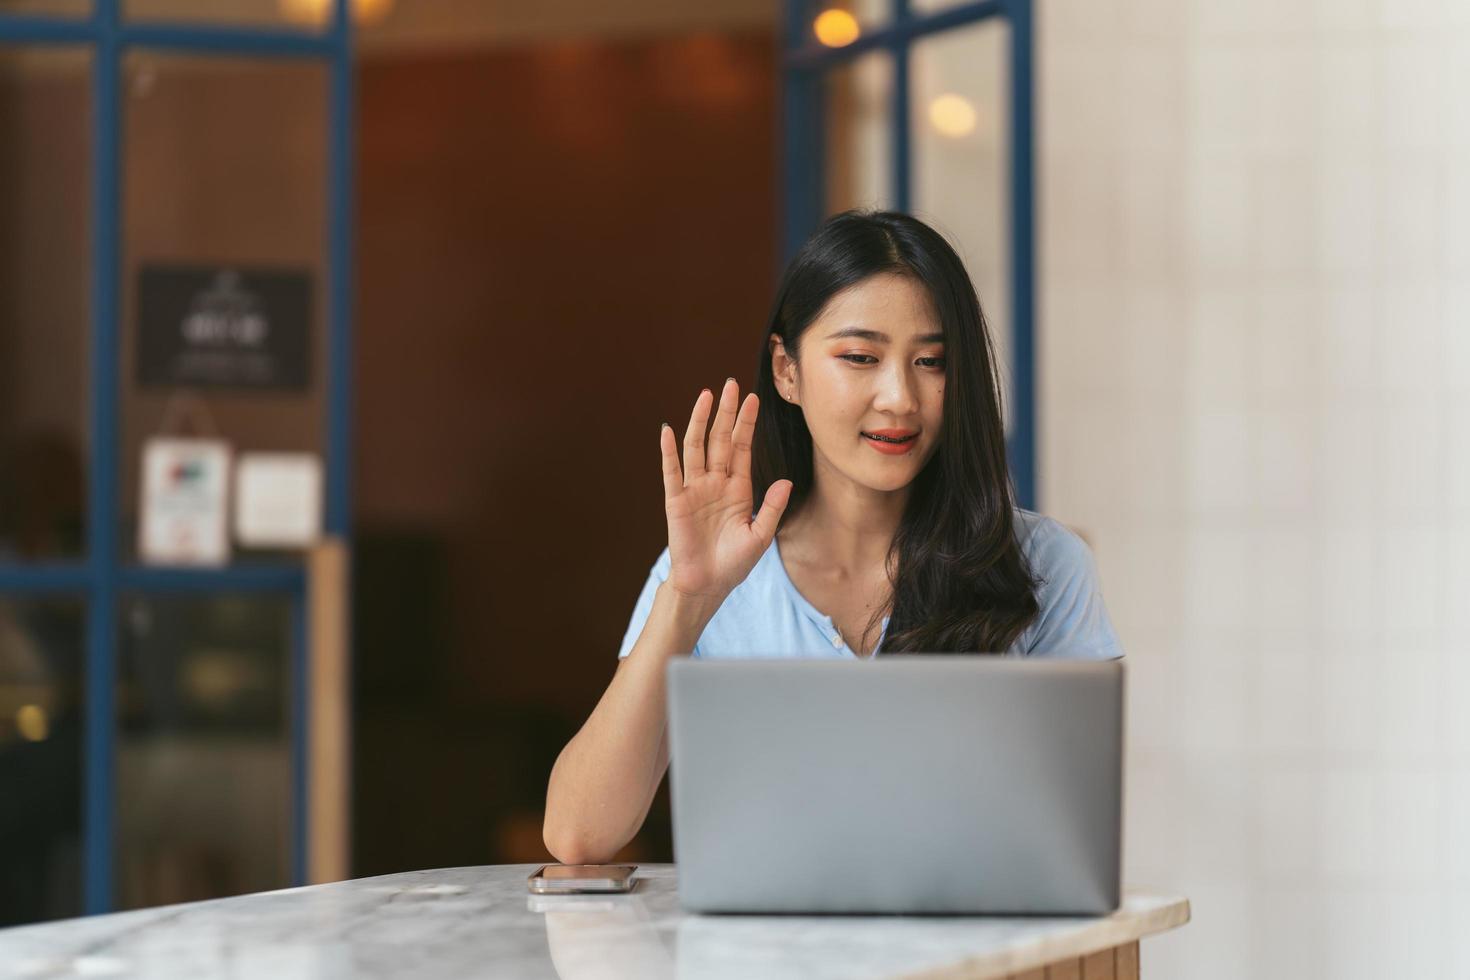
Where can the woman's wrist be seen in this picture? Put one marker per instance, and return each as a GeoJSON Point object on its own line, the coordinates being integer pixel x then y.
{"type": "Point", "coordinates": [688, 614]}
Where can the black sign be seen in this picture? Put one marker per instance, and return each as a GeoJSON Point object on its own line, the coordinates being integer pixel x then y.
{"type": "Point", "coordinates": [216, 327]}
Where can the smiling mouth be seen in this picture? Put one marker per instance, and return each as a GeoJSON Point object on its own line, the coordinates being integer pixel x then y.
{"type": "Point", "coordinates": [889, 439]}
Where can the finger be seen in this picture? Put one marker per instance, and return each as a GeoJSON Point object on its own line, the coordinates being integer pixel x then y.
{"type": "Point", "coordinates": [743, 436]}
{"type": "Point", "coordinates": [769, 518]}
{"type": "Point", "coordinates": [668, 448]}
{"type": "Point", "coordinates": [694, 437]}
{"type": "Point", "coordinates": [719, 436]}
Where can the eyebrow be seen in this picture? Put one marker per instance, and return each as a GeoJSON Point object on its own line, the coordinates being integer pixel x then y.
{"type": "Point", "coordinates": [880, 337]}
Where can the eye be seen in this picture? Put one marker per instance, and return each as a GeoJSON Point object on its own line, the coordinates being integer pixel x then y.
{"type": "Point", "coordinates": [935, 362]}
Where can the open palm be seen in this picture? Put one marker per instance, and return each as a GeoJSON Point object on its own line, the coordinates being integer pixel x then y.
{"type": "Point", "coordinates": [713, 542]}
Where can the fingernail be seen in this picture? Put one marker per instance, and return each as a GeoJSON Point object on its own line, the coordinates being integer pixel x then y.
{"type": "Point", "coordinates": [663, 427]}
{"type": "Point", "coordinates": [728, 380]}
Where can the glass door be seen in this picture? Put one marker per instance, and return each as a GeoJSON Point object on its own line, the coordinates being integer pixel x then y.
{"type": "Point", "coordinates": [175, 231]}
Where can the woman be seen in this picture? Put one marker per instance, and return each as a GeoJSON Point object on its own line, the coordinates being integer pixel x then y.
{"type": "Point", "coordinates": [887, 518]}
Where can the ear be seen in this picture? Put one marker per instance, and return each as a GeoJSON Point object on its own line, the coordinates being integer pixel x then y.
{"type": "Point", "coordinates": [784, 369]}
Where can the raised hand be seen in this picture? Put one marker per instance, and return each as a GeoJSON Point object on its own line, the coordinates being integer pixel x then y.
{"type": "Point", "coordinates": [713, 542]}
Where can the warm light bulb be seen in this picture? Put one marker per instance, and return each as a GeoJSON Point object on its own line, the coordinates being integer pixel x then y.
{"type": "Point", "coordinates": [952, 115]}
{"type": "Point", "coordinates": [316, 13]}
{"type": "Point", "coordinates": [31, 722]}
{"type": "Point", "coordinates": [836, 28]}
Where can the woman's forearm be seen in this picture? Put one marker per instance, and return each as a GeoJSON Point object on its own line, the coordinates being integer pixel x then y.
{"type": "Point", "coordinates": [605, 778]}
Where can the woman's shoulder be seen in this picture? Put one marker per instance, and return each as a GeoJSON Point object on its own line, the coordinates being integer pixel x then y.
{"type": "Point", "coordinates": [1049, 545]}
{"type": "Point", "coordinates": [1072, 620]}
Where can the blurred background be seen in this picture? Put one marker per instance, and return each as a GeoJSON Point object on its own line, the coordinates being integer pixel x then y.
{"type": "Point", "coordinates": [1225, 249]}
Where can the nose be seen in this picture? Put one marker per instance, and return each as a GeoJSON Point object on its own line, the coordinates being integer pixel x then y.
{"type": "Point", "coordinates": [897, 393]}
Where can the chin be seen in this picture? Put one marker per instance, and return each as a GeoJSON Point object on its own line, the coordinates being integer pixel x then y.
{"type": "Point", "coordinates": [890, 481]}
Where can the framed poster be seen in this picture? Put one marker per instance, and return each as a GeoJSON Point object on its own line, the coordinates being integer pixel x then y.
{"type": "Point", "coordinates": [224, 327]}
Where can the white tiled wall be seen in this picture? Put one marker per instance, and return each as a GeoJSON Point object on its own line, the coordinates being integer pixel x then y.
{"type": "Point", "coordinates": [1254, 318]}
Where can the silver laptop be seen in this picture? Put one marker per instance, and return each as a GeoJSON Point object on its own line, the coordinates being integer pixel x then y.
{"type": "Point", "coordinates": [904, 784]}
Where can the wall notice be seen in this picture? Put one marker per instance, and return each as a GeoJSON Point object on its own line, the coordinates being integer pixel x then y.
{"type": "Point", "coordinates": [182, 518]}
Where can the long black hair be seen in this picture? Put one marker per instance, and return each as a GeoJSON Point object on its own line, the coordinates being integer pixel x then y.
{"type": "Point", "coordinates": [961, 583]}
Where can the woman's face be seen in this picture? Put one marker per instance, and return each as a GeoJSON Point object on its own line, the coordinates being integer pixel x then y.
{"type": "Point", "coordinates": [871, 363]}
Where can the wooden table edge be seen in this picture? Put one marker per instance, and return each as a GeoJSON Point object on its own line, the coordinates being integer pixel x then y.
{"type": "Point", "coordinates": [1034, 959]}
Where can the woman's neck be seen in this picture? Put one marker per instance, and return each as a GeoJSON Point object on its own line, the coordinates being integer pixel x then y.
{"type": "Point", "coordinates": [848, 533]}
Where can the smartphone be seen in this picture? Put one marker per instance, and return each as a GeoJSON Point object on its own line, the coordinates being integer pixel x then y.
{"type": "Point", "coordinates": [578, 879]}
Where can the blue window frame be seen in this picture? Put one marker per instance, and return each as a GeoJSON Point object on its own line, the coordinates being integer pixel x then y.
{"type": "Point", "coordinates": [101, 576]}
{"type": "Point", "coordinates": [805, 62]}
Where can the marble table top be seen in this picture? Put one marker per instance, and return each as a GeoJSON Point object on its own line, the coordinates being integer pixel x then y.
{"type": "Point", "coordinates": [482, 922]}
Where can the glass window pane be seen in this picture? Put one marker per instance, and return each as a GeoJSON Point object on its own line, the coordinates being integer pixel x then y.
{"type": "Point", "coordinates": [961, 160]}
{"type": "Point", "coordinates": [45, 258]}
{"type": "Point", "coordinates": [225, 164]}
{"type": "Point", "coordinates": [41, 774]}
{"type": "Point", "coordinates": [203, 748]}
{"type": "Point", "coordinates": [934, 6]}
{"type": "Point", "coordinates": [859, 156]}
{"type": "Point", "coordinates": [48, 8]}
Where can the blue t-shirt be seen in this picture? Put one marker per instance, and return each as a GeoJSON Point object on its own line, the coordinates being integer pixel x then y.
{"type": "Point", "coordinates": [765, 616]}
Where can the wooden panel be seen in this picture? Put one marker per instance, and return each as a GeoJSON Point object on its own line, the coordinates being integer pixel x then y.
{"type": "Point", "coordinates": [1126, 965]}
{"type": "Point", "coordinates": [329, 713]}
{"type": "Point", "coordinates": [629, 225]}
{"type": "Point", "coordinates": [1098, 966]}
{"type": "Point", "coordinates": [1116, 963]}
{"type": "Point", "coordinates": [1065, 970]}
